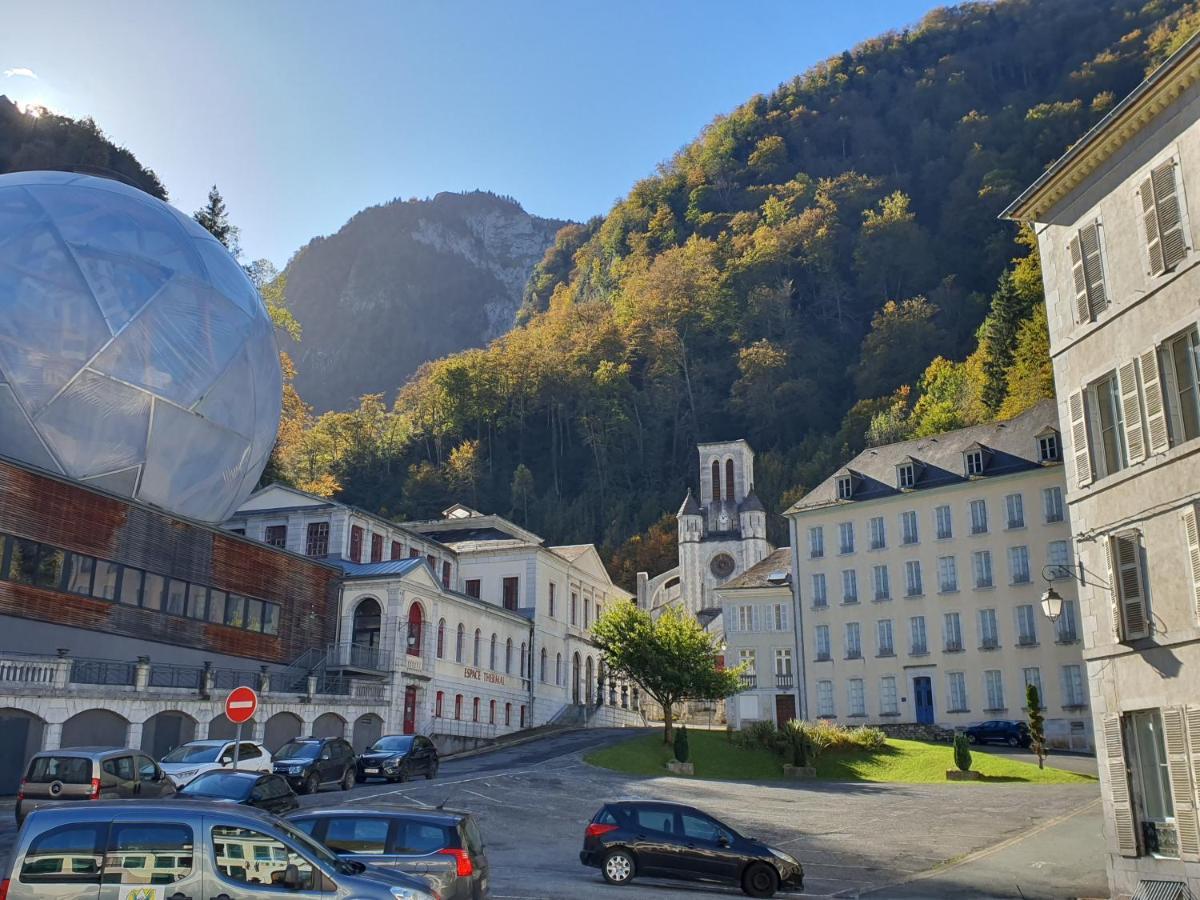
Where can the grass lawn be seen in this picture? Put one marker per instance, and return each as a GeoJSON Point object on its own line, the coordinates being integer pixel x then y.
{"type": "Point", "coordinates": [910, 762]}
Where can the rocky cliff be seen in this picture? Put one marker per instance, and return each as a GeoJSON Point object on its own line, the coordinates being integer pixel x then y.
{"type": "Point", "coordinates": [404, 283]}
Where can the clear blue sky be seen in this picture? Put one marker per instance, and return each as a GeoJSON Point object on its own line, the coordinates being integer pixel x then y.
{"type": "Point", "coordinates": [304, 113]}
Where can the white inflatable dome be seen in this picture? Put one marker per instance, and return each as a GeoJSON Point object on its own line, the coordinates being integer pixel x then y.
{"type": "Point", "coordinates": [135, 354]}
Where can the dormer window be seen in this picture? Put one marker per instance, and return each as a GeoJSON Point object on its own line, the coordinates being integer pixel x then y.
{"type": "Point", "coordinates": [974, 462]}
{"type": "Point", "coordinates": [1048, 449]}
{"type": "Point", "coordinates": [906, 476]}
{"type": "Point", "coordinates": [845, 487]}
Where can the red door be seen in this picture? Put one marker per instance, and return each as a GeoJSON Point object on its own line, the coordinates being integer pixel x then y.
{"type": "Point", "coordinates": [415, 627]}
{"type": "Point", "coordinates": [410, 709]}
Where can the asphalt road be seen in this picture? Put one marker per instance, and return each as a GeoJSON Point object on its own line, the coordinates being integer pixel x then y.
{"type": "Point", "coordinates": [912, 841]}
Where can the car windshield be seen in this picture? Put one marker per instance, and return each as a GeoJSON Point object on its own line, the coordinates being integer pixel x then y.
{"type": "Point", "coordinates": [194, 753]}
{"type": "Point", "coordinates": [321, 853]}
{"type": "Point", "coordinates": [393, 744]}
{"type": "Point", "coordinates": [227, 785]}
{"type": "Point", "coordinates": [298, 750]}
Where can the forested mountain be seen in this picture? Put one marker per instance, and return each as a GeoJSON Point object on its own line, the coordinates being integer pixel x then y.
{"type": "Point", "coordinates": [820, 268]}
{"type": "Point", "coordinates": [406, 282]}
{"type": "Point", "coordinates": [45, 140]}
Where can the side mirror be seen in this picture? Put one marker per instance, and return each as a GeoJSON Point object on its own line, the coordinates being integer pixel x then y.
{"type": "Point", "coordinates": [226, 760]}
{"type": "Point", "coordinates": [723, 840]}
{"type": "Point", "coordinates": [291, 877]}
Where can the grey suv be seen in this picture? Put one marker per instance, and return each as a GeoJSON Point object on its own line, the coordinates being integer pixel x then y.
{"type": "Point", "coordinates": [90, 773]}
{"type": "Point", "coordinates": [186, 850]}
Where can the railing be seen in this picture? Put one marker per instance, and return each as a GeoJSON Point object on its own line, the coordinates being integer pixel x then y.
{"type": "Point", "coordinates": [228, 679]}
{"type": "Point", "coordinates": [103, 671]}
{"type": "Point", "coordinates": [953, 646]}
{"type": "Point", "coordinates": [989, 644]}
{"type": "Point", "coordinates": [369, 691]}
{"type": "Point", "coordinates": [749, 681]}
{"type": "Point", "coordinates": [1027, 640]}
{"type": "Point", "coordinates": [166, 675]}
{"type": "Point", "coordinates": [358, 656]}
{"type": "Point", "coordinates": [461, 727]}
{"type": "Point", "coordinates": [783, 680]}
{"type": "Point", "coordinates": [28, 671]}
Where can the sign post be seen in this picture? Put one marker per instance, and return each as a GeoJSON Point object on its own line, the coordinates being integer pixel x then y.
{"type": "Point", "coordinates": [240, 707]}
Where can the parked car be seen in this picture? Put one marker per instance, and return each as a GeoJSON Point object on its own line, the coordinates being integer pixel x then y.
{"type": "Point", "coordinates": [245, 853]}
{"type": "Point", "coordinates": [56, 777]}
{"type": "Point", "coordinates": [311, 763]}
{"type": "Point", "coordinates": [1003, 731]}
{"type": "Point", "coordinates": [260, 790]}
{"type": "Point", "coordinates": [670, 840]}
{"type": "Point", "coordinates": [197, 757]}
{"type": "Point", "coordinates": [397, 757]}
{"type": "Point", "coordinates": [443, 845]}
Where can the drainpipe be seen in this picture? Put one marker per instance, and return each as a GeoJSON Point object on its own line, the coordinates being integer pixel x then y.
{"type": "Point", "coordinates": [798, 632]}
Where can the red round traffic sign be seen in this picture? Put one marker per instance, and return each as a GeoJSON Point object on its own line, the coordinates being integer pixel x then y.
{"type": "Point", "coordinates": [240, 705]}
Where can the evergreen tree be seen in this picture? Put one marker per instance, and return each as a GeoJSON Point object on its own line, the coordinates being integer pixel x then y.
{"type": "Point", "coordinates": [1010, 307]}
{"type": "Point", "coordinates": [214, 218]}
{"type": "Point", "coordinates": [1037, 731]}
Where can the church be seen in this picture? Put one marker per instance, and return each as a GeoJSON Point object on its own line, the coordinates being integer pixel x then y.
{"type": "Point", "coordinates": [722, 533]}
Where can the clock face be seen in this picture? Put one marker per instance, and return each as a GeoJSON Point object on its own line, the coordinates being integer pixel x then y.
{"type": "Point", "coordinates": [723, 519]}
{"type": "Point", "coordinates": [722, 565]}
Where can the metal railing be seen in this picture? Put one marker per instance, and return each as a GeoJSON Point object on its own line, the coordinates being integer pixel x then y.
{"type": "Point", "coordinates": [166, 675]}
{"type": "Point", "coordinates": [103, 671]}
{"type": "Point", "coordinates": [358, 656]}
{"type": "Point", "coordinates": [228, 679]}
{"type": "Point", "coordinates": [749, 680]}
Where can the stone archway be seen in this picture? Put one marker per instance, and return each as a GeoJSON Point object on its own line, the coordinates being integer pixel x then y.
{"type": "Point", "coordinates": [95, 728]}
{"type": "Point", "coordinates": [367, 730]}
{"type": "Point", "coordinates": [164, 731]}
{"type": "Point", "coordinates": [329, 724]}
{"type": "Point", "coordinates": [20, 737]}
{"type": "Point", "coordinates": [221, 729]}
{"type": "Point", "coordinates": [281, 728]}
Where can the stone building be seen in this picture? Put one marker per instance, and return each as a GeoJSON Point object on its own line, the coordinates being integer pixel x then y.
{"type": "Point", "coordinates": [1114, 220]}
{"type": "Point", "coordinates": [918, 569]}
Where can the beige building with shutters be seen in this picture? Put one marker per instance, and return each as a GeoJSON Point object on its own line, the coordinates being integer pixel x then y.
{"type": "Point", "coordinates": [1122, 276]}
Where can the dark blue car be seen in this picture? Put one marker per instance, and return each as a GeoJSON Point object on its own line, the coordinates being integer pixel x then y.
{"type": "Point", "coordinates": [999, 731]}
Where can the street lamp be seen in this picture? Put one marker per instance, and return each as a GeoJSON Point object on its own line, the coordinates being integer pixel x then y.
{"type": "Point", "coordinates": [1052, 601]}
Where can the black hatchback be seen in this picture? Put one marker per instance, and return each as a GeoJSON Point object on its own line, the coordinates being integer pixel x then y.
{"type": "Point", "coordinates": [670, 840]}
{"type": "Point", "coordinates": [1013, 732]}
{"type": "Point", "coordinates": [261, 790]}
{"type": "Point", "coordinates": [398, 757]}
{"type": "Point", "coordinates": [310, 763]}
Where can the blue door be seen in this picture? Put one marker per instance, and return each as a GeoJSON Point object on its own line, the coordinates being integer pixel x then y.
{"type": "Point", "coordinates": [923, 691]}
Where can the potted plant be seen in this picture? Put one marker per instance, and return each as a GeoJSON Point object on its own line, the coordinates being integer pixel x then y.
{"type": "Point", "coordinates": [680, 765]}
{"type": "Point", "coordinates": [800, 750]}
{"type": "Point", "coordinates": [962, 759]}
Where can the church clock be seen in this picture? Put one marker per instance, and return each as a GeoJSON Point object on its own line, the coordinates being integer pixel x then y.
{"type": "Point", "coordinates": [722, 565]}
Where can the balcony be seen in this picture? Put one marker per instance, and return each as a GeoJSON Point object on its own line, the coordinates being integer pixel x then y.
{"type": "Point", "coordinates": [784, 680]}
{"type": "Point", "coordinates": [749, 681]}
{"type": "Point", "coordinates": [953, 647]}
{"type": "Point", "coordinates": [358, 657]}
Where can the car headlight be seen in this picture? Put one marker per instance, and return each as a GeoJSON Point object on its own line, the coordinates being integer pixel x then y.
{"type": "Point", "coordinates": [403, 893]}
{"type": "Point", "coordinates": [295, 770]}
{"type": "Point", "coordinates": [184, 776]}
{"type": "Point", "coordinates": [786, 857]}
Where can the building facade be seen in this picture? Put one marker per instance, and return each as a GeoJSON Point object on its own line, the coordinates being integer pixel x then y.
{"type": "Point", "coordinates": [918, 571]}
{"type": "Point", "coordinates": [1114, 219]}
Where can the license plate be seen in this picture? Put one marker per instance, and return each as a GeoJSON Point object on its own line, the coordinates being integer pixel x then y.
{"type": "Point", "coordinates": [371, 771]}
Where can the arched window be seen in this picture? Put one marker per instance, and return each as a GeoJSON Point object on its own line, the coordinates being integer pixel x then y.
{"type": "Point", "coordinates": [716, 480]}
{"type": "Point", "coordinates": [478, 641]}
{"type": "Point", "coordinates": [729, 492]}
{"type": "Point", "coordinates": [416, 624]}
{"type": "Point", "coordinates": [492, 653]}
{"type": "Point", "coordinates": [437, 706]}
{"type": "Point", "coordinates": [522, 715]}
{"type": "Point", "coordinates": [508, 714]}
{"type": "Point", "coordinates": [475, 710]}
{"type": "Point", "coordinates": [492, 712]}
{"type": "Point", "coordinates": [543, 672]}
{"type": "Point", "coordinates": [459, 640]}
{"type": "Point", "coordinates": [441, 639]}
{"type": "Point", "coordinates": [508, 657]}
{"type": "Point", "coordinates": [558, 673]}
{"type": "Point", "coordinates": [458, 706]}
{"type": "Point", "coordinates": [368, 621]}
{"type": "Point", "coordinates": [523, 659]}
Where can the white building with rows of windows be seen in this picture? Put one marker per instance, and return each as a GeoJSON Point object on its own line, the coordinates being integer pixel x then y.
{"type": "Point", "coordinates": [1114, 219]}
{"type": "Point", "coordinates": [918, 570]}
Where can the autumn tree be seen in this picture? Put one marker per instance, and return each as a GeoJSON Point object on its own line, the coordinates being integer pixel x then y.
{"type": "Point", "coordinates": [903, 337]}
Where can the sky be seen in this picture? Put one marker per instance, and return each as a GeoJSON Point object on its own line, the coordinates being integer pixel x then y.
{"type": "Point", "coordinates": [304, 113]}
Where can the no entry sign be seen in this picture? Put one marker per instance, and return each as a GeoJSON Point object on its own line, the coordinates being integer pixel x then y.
{"type": "Point", "coordinates": [240, 705]}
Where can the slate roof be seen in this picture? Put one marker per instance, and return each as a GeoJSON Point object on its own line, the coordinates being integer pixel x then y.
{"type": "Point", "coordinates": [756, 576]}
{"type": "Point", "coordinates": [751, 503]}
{"type": "Point", "coordinates": [1011, 446]}
{"type": "Point", "coordinates": [690, 506]}
{"type": "Point", "coordinates": [379, 569]}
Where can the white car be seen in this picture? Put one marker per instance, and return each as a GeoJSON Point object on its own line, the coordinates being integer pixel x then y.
{"type": "Point", "coordinates": [195, 757]}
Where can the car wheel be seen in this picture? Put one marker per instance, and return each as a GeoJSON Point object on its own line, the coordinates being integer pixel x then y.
{"type": "Point", "coordinates": [431, 772]}
{"type": "Point", "coordinates": [971, 739]}
{"type": "Point", "coordinates": [618, 867]}
{"type": "Point", "coordinates": [402, 774]}
{"type": "Point", "coordinates": [348, 780]}
{"type": "Point", "coordinates": [1014, 742]}
{"type": "Point", "coordinates": [760, 880]}
{"type": "Point", "coordinates": [312, 784]}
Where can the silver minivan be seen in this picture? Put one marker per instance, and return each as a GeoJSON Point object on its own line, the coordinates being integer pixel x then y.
{"type": "Point", "coordinates": [54, 777]}
{"type": "Point", "coordinates": [168, 850]}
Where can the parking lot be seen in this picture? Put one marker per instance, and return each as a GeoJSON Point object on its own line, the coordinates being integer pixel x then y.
{"type": "Point", "coordinates": [533, 800]}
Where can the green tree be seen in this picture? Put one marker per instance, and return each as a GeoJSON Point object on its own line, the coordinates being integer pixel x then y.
{"type": "Point", "coordinates": [671, 657]}
{"type": "Point", "coordinates": [681, 744]}
{"type": "Point", "coordinates": [1037, 723]}
{"type": "Point", "coordinates": [904, 336]}
{"type": "Point", "coordinates": [521, 491]}
{"type": "Point", "coordinates": [1030, 378]}
{"type": "Point", "coordinates": [962, 752]}
{"type": "Point", "coordinates": [1010, 307]}
{"type": "Point", "coordinates": [214, 218]}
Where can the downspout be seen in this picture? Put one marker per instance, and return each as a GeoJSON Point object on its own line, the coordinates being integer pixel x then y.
{"type": "Point", "coordinates": [798, 631]}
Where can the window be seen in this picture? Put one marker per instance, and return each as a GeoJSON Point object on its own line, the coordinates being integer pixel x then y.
{"type": "Point", "coordinates": [993, 683]}
{"type": "Point", "coordinates": [883, 631]}
{"type": "Point", "coordinates": [441, 639]}
{"type": "Point", "coordinates": [945, 526]}
{"type": "Point", "coordinates": [492, 652]}
{"type": "Point", "coordinates": [979, 517]}
{"type": "Point", "coordinates": [510, 592]}
{"type": "Point", "coordinates": [276, 536]}
{"type": "Point", "coordinates": [749, 659]}
{"type": "Point", "coordinates": [887, 696]}
{"type": "Point", "coordinates": [460, 640]}
{"type": "Point", "coordinates": [473, 588]}
{"type": "Point", "coordinates": [880, 576]}
{"type": "Point", "coordinates": [1052, 504]}
{"type": "Point", "coordinates": [878, 538]}
{"type": "Point", "coordinates": [523, 661]}
{"type": "Point", "coordinates": [1058, 557]}
{"type": "Point", "coordinates": [1072, 682]}
{"type": "Point", "coordinates": [81, 844]}
{"type": "Point", "coordinates": [1033, 675]}
{"type": "Point", "coordinates": [952, 632]}
{"type": "Point", "coordinates": [251, 857]}
{"type": "Point", "coordinates": [1026, 625]}
{"type": "Point", "coordinates": [854, 694]}
{"type": "Point", "coordinates": [358, 835]}
{"type": "Point", "coordinates": [957, 684]}
{"type": "Point", "coordinates": [154, 586]}
{"type": "Point", "coordinates": [414, 552]}
{"type": "Point", "coordinates": [974, 462]}
{"type": "Point", "coordinates": [558, 669]}
{"type": "Point", "coordinates": [1154, 751]}
{"type": "Point", "coordinates": [542, 670]}
{"type": "Point", "coordinates": [981, 562]}
{"type": "Point", "coordinates": [1048, 447]}
{"type": "Point", "coordinates": [947, 575]}
{"type": "Point", "coordinates": [446, 574]}
{"type": "Point", "coordinates": [916, 627]}
{"type": "Point", "coordinates": [507, 715]}
{"type": "Point", "coordinates": [781, 617]}
{"type": "Point", "coordinates": [699, 828]}
{"type": "Point", "coordinates": [508, 649]}
{"type": "Point", "coordinates": [458, 703]}
{"type": "Point", "coordinates": [1107, 424]}
{"type": "Point", "coordinates": [783, 663]}
{"type": "Point", "coordinates": [1018, 564]}
{"type": "Point", "coordinates": [176, 597]}
{"type": "Point", "coordinates": [1087, 273]}
{"type": "Point", "coordinates": [908, 527]}
{"type": "Point", "coordinates": [1162, 218]}
{"type": "Point", "coordinates": [853, 641]}
{"type": "Point", "coordinates": [1182, 385]}
{"type": "Point", "coordinates": [825, 698]}
{"type": "Point", "coordinates": [356, 542]}
{"type": "Point", "coordinates": [587, 614]}
{"type": "Point", "coordinates": [849, 586]}
{"type": "Point", "coordinates": [818, 586]}
{"type": "Point", "coordinates": [1130, 617]}
{"type": "Point", "coordinates": [1014, 505]}
{"type": "Point", "coordinates": [574, 606]}
{"type": "Point", "coordinates": [822, 640]}
{"type": "Point", "coordinates": [477, 643]}
{"type": "Point", "coordinates": [989, 635]}
{"type": "Point", "coordinates": [475, 710]}
{"type": "Point", "coordinates": [1066, 629]}
{"type": "Point", "coordinates": [79, 574]}
{"type": "Point", "coordinates": [397, 550]}
{"type": "Point", "coordinates": [845, 488]}
{"type": "Point", "coordinates": [846, 535]}
{"type": "Point", "coordinates": [553, 597]}
{"type": "Point", "coordinates": [912, 578]}
{"type": "Point", "coordinates": [816, 542]}
{"type": "Point", "coordinates": [905, 476]}
{"type": "Point", "coordinates": [130, 593]}
{"type": "Point", "coordinates": [743, 617]}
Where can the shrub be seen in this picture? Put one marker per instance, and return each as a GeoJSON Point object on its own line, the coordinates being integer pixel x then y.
{"type": "Point", "coordinates": [962, 752]}
{"type": "Point", "coordinates": [869, 738]}
{"type": "Point", "coordinates": [758, 734]}
{"type": "Point", "coordinates": [681, 744]}
{"type": "Point", "coordinates": [797, 744]}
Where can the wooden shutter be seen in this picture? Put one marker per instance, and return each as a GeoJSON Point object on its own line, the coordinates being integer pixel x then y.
{"type": "Point", "coordinates": [1129, 585]}
{"type": "Point", "coordinates": [1118, 786]}
{"type": "Point", "coordinates": [1150, 223]}
{"type": "Point", "coordinates": [1131, 409]}
{"type": "Point", "coordinates": [1093, 269]}
{"type": "Point", "coordinates": [1170, 219]}
{"type": "Point", "coordinates": [1156, 411]}
{"type": "Point", "coordinates": [1193, 540]}
{"type": "Point", "coordinates": [1082, 311]}
{"type": "Point", "coordinates": [1182, 797]}
{"type": "Point", "coordinates": [1191, 717]}
{"type": "Point", "coordinates": [1079, 439]}
{"type": "Point", "coordinates": [1114, 598]}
